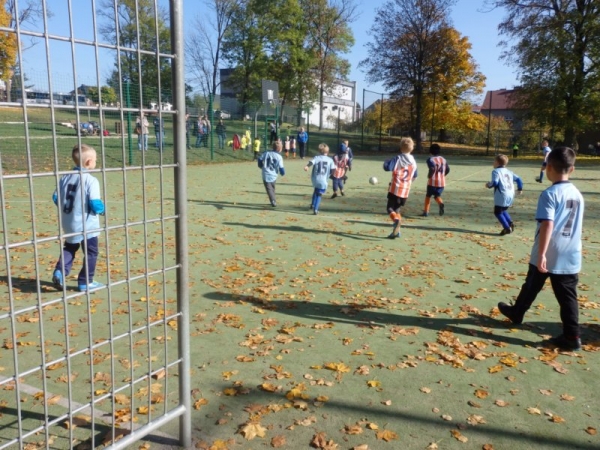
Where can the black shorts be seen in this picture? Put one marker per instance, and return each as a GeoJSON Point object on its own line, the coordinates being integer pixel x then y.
{"type": "Point", "coordinates": [499, 209]}
{"type": "Point", "coordinates": [434, 191]}
{"type": "Point", "coordinates": [394, 202]}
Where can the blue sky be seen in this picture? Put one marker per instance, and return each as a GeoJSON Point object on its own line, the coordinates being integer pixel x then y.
{"type": "Point", "coordinates": [479, 27]}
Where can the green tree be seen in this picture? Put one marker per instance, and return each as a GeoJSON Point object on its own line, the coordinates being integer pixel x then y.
{"type": "Point", "coordinates": [244, 48]}
{"type": "Point", "coordinates": [138, 32]}
{"type": "Point", "coordinates": [329, 36]}
{"type": "Point", "coordinates": [556, 46]}
{"type": "Point", "coordinates": [406, 52]}
{"type": "Point", "coordinates": [105, 96]}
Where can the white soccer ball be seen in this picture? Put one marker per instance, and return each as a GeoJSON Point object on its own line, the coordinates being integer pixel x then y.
{"type": "Point", "coordinates": [373, 180]}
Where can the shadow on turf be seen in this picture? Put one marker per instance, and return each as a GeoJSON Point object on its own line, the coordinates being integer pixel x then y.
{"type": "Point", "coordinates": [426, 228]}
{"type": "Point", "coordinates": [102, 431]}
{"type": "Point", "coordinates": [298, 229]}
{"type": "Point", "coordinates": [518, 436]}
{"type": "Point", "coordinates": [365, 316]}
{"type": "Point", "coordinates": [27, 285]}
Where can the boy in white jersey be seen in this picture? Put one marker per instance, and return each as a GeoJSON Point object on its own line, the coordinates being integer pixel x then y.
{"type": "Point", "coordinates": [556, 252]}
{"type": "Point", "coordinates": [546, 151]}
{"type": "Point", "coordinates": [271, 164]}
{"type": "Point", "coordinates": [504, 192]}
{"type": "Point", "coordinates": [79, 203]}
{"type": "Point", "coordinates": [323, 165]}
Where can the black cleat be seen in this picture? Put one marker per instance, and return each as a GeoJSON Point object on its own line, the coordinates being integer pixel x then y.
{"type": "Point", "coordinates": [564, 343]}
{"type": "Point", "coordinates": [509, 312]}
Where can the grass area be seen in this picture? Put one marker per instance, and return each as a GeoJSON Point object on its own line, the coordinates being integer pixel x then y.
{"type": "Point", "coordinates": [46, 139]}
{"type": "Point", "coordinates": [315, 330]}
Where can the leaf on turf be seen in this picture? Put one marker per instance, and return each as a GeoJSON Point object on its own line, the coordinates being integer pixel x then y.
{"type": "Point", "coordinates": [567, 397]}
{"type": "Point", "coordinates": [386, 435]}
{"type": "Point", "coordinates": [459, 436]}
{"type": "Point", "coordinates": [481, 393]}
{"type": "Point", "coordinates": [252, 430]}
{"type": "Point", "coordinates": [534, 411]}
{"type": "Point", "coordinates": [353, 429]}
{"type": "Point", "coordinates": [278, 441]}
{"type": "Point", "coordinates": [501, 403]}
{"type": "Point", "coordinates": [591, 431]}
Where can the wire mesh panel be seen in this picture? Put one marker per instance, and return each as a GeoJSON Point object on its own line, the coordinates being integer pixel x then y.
{"type": "Point", "coordinates": [92, 356]}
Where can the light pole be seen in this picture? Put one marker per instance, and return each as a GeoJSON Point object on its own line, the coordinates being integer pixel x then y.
{"type": "Point", "coordinates": [339, 110]}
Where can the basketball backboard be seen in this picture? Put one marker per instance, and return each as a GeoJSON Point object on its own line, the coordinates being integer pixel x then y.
{"type": "Point", "coordinates": [270, 92]}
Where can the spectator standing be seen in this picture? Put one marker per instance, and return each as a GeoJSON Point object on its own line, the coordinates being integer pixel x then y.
{"type": "Point", "coordinates": [159, 132]}
{"type": "Point", "coordinates": [302, 139]}
{"type": "Point", "coordinates": [221, 133]}
{"type": "Point", "coordinates": [141, 129]}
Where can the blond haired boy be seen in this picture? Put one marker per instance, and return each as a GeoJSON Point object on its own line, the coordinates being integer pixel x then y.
{"type": "Point", "coordinates": [79, 203]}
{"type": "Point", "coordinates": [322, 166]}
{"type": "Point", "coordinates": [404, 171]}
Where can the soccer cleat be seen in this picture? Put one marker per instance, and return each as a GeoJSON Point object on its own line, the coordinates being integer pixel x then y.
{"type": "Point", "coordinates": [538, 179]}
{"type": "Point", "coordinates": [505, 231]}
{"type": "Point", "coordinates": [425, 214]}
{"type": "Point", "coordinates": [394, 235]}
{"type": "Point", "coordinates": [334, 195]}
{"type": "Point", "coordinates": [509, 311]}
{"type": "Point", "coordinates": [273, 204]}
{"type": "Point", "coordinates": [441, 209]}
{"type": "Point", "coordinates": [512, 227]}
{"type": "Point", "coordinates": [57, 279]}
{"type": "Point", "coordinates": [90, 287]}
{"type": "Point", "coordinates": [342, 193]}
{"type": "Point", "coordinates": [564, 343]}
{"type": "Point", "coordinates": [316, 212]}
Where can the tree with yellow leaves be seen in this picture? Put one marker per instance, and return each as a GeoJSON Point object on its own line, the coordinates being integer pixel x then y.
{"type": "Point", "coordinates": [8, 44]}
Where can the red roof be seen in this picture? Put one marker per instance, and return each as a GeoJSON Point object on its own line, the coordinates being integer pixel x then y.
{"type": "Point", "coordinates": [500, 100]}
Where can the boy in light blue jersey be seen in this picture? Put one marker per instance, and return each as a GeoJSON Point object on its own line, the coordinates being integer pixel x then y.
{"type": "Point", "coordinates": [504, 192]}
{"type": "Point", "coordinates": [322, 166]}
{"type": "Point", "coordinates": [556, 252]}
{"type": "Point", "coordinates": [271, 164]}
{"type": "Point", "coordinates": [546, 151]}
{"type": "Point", "coordinates": [79, 203]}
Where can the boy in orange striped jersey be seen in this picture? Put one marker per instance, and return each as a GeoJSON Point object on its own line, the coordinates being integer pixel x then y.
{"type": "Point", "coordinates": [436, 179]}
{"type": "Point", "coordinates": [404, 170]}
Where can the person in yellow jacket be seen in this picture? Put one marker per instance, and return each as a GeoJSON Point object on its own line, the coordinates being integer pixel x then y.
{"type": "Point", "coordinates": [256, 148]}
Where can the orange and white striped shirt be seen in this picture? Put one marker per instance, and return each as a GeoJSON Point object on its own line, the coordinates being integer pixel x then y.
{"type": "Point", "coordinates": [404, 171]}
{"type": "Point", "coordinates": [341, 164]}
{"type": "Point", "coordinates": [438, 169]}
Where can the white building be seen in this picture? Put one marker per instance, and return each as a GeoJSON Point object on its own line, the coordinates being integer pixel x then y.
{"type": "Point", "coordinates": [341, 103]}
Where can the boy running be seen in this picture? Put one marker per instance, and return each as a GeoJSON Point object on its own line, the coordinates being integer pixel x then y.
{"type": "Point", "coordinates": [504, 192]}
{"type": "Point", "coordinates": [436, 179]}
{"type": "Point", "coordinates": [322, 167]}
{"type": "Point", "coordinates": [342, 165]}
{"type": "Point", "coordinates": [546, 151]}
{"type": "Point", "coordinates": [404, 171]}
{"type": "Point", "coordinates": [271, 164]}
